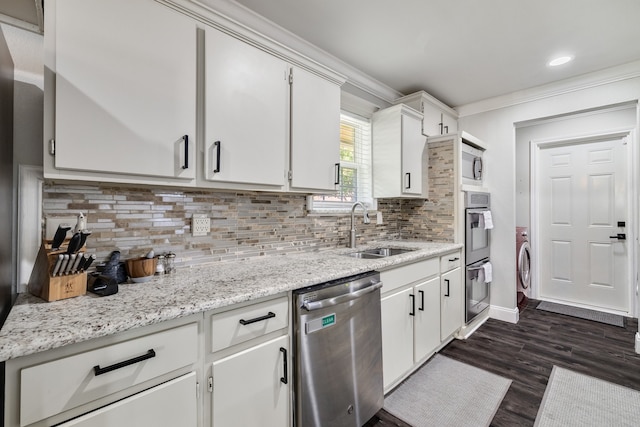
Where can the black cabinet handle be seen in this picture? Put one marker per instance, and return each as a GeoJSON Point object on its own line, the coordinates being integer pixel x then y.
{"type": "Point", "coordinates": [408, 179]}
{"type": "Point", "coordinates": [217, 144]}
{"type": "Point", "coordinates": [447, 282]}
{"type": "Point", "coordinates": [337, 180]}
{"type": "Point", "coordinates": [186, 152]}
{"type": "Point", "coordinates": [258, 319]}
{"type": "Point", "coordinates": [97, 370]}
{"type": "Point", "coordinates": [421, 300]}
{"type": "Point", "coordinates": [454, 259]}
{"type": "Point", "coordinates": [413, 305]}
{"type": "Point", "coordinates": [446, 129]}
{"type": "Point", "coordinates": [283, 379]}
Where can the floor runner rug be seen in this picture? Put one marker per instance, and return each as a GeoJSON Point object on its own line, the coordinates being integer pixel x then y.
{"type": "Point", "coordinates": [574, 399]}
{"type": "Point", "coordinates": [445, 392]}
{"type": "Point", "coordinates": [582, 313]}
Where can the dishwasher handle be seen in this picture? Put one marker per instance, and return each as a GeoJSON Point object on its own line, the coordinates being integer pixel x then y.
{"type": "Point", "coordinates": [316, 305]}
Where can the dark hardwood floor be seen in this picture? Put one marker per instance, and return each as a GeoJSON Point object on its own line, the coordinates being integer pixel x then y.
{"type": "Point", "coordinates": [526, 352]}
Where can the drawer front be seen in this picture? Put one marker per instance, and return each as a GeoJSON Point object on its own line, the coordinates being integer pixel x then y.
{"type": "Point", "coordinates": [242, 324]}
{"type": "Point", "coordinates": [450, 261]}
{"type": "Point", "coordinates": [53, 387]}
{"type": "Point", "coordinates": [398, 277]}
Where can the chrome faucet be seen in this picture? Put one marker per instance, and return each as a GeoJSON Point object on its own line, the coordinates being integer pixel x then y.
{"type": "Point", "coordinates": [352, 232]}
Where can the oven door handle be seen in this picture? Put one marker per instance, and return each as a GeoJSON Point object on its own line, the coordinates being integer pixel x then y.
{"type": "Point", "coordinates": [316, 305]}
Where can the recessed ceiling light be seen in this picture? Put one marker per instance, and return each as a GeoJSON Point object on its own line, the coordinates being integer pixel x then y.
{"type": "Point", "coordinates": [560, 60]}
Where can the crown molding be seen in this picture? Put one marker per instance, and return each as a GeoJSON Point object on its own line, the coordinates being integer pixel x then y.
{"type": "Point", "coordinates": [623, 72]}
{"type": "Point", "coordinates": [239, 14]}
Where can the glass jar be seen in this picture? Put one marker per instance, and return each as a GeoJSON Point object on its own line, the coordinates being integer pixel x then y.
{"type": "Point", "coordinates": [160, 265]}
{"type": "Point", "coordinates": [170, 260]}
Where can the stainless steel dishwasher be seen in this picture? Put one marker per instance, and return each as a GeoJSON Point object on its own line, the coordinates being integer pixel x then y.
{"type": "Point", "coordinates": [338, 352]}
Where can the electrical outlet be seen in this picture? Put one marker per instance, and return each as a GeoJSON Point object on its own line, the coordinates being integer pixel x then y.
{"type": "Point", "coordinates": [200, 225]}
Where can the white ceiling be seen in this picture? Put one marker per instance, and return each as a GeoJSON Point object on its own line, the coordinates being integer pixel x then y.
{"type": "Point", "coordinates": [462, 51]}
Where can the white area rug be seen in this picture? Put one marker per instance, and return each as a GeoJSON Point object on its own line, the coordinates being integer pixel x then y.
{"type": "Point", "coordinates": [573, 399]}
{"type": "Point", "coordinates": [445, 392]}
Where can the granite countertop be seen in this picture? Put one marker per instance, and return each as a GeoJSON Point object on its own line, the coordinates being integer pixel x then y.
{"type": "Point", "coordinates": [34, 325]}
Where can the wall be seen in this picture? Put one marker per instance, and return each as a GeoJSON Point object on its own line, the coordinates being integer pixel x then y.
{"type": "Point", "coordinates": [497, 128]}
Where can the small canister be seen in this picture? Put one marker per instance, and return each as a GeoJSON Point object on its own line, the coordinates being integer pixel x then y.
{"type": "Point", "coordinates": [160, 265]}
{"type": "Point", "coordinates": [170, 261]}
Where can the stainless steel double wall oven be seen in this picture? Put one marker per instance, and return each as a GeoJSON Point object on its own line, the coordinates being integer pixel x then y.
{"type": "Point", "coordinates": [477, 242]}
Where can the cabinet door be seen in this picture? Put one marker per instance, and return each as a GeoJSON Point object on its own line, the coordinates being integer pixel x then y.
{"type": "Point", "coordinates": [125, 88]}
{"type": "Point", "coordinates": [431, 121]}
{"type": "Point", "coordinates": [450, 123]}
{"type": "Point", "coordinates": [167, 405]}
{"type": "Point", "coordinates": [246, 112]}
{"type": "Point", "coordinates": [247, 387]}
{"type": "Point", "coordinates": [427, 319]}
{"type": "Point", "coordinates": [315, 131]}
{"type": "Point", "coordinates": [397, 335]}
{"type": "Point", "coordinates": [413, 146]}
{"type": "Point", "coordinates": [451, 302]}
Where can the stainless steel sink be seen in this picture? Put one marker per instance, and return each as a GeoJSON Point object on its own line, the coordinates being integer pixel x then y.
{"type": "Point", "coordinates": [378, 253]}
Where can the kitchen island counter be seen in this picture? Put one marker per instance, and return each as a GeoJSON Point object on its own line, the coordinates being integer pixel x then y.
{"type": "Point", "coordinates": [34, 325]}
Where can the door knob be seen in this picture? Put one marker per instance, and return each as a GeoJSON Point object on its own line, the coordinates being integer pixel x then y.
{"type": "Point", "coordinates": [619, 236]}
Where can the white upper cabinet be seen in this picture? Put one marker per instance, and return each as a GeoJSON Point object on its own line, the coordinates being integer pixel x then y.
{"type": "Point", "coordinates": [315, 132]}
{"type": "Point", "coordinates": [400, 165]}
{"type": "Point", "coordinates": [125, 91]}
{"type": "Point", "coordinates": [438, 118]}
{"type": "Point", "coordinates": [246, 113]}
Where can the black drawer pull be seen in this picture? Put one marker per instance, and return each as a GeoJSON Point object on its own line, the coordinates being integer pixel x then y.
{"type": "Point", "coordinates": [413, 305]}
{"type": "Point", "coordinates": [99, 371]}
{"type": "Point", "coordinates": [218, 146]}
{"type": "Point", "coordinates": [258, 319]}
{"type": "Point", "coordinates": [186, 152]}
{"type": "Point", "coordinates": [454, 259]}
{"type": "Point", "coordinates": [285, 375]}
{"type": "Point", "coordinates": [421, 308]}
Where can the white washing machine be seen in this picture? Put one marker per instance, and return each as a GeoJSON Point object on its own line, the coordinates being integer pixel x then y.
{"type": "Point", "coordinates": [523, 266]}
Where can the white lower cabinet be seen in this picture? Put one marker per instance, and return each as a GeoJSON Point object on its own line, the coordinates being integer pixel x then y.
{"type": "Point", "coordinates": [397, 335]}
{"type": "Point", "coordinates": [248, 364]}
{"type": "Point", "coordinates": [452, 302]}
{"type": "Point", "coordinates": [426, 336]}
{"type": "Point", "coordinates": [251, 388]}
{"type": "Point", "coordinates": [126, 379]}
{"type": "Point", "coordinates": [410, 327]}
{"type": "Point", "coordinates": [149, 408]}
{"type": "Point", "coordinates": [421, 310]}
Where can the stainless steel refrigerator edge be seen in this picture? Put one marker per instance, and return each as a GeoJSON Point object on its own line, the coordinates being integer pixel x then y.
{"type": "Point", "coordinates": [7, 188]}
{"type": "Point", "coordinates": [338, 352]}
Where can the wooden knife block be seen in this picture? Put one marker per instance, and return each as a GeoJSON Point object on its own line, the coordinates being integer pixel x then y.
{"type": "Point", "coordinates": [53, 288]}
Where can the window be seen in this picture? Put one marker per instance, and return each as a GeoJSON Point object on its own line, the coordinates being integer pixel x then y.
{"type": "Point", "coordinates": [355, 167]}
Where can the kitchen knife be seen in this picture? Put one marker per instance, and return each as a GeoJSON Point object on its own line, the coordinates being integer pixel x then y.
{"type": "Point", "coordinates": [74, 244]}
{"type": "Point", "coordinates": [88, 262]}
{"type": "Point", "coordinates": [63, 266]}
{"type": "Point", "coordinates": [83, 238]}
{"type": "Point", "coordinates": [76, 265]}
{"type": "Point", "coordinates": [72, 260]}
{"type": "Point", "coordinates": [58, 238]}
{"type": "Point", "coordinates": [56, 267]}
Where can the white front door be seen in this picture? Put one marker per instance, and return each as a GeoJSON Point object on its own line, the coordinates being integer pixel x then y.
{"type": "Point", "coordinates": [582, 195]}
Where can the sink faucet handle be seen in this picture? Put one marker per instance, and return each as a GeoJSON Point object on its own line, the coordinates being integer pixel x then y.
{"type": "Point", "coordinates": [366, 219]}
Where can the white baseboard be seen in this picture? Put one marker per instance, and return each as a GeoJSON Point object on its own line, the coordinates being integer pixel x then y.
{"type": "Point", "coordinates": [511, 315]}
{"type": "Point", "coordinates": [466, 331]}
{"type": "Point", "coordinates": [638, 342]}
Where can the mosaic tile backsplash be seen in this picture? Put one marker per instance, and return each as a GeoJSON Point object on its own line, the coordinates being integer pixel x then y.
{"type": "Point", "coordinates": [243, 224]}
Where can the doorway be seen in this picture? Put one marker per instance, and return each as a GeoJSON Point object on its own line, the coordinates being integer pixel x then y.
{"type": "Point", "coordinates": [582, 221]}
